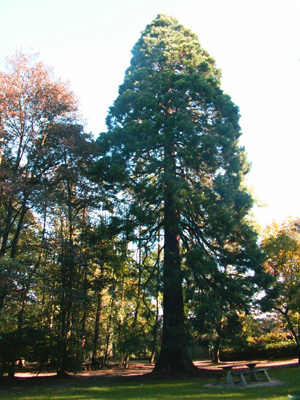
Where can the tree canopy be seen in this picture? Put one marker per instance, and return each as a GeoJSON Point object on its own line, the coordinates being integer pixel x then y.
{"type": "Point", "coordinates": [97, 236]}
{"type": "Point", "coordinates": [172, 153]}
{"type": "Point", "coordinates": [31, 102]}
{"type": "Point", "coordinates": [282, 247]}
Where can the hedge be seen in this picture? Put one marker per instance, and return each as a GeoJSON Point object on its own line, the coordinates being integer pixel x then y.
{"type": "Point", "coordinates": [269, 352]}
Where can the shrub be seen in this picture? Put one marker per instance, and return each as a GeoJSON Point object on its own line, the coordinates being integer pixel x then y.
{"type": "Point", "coordinates": [268, 351]}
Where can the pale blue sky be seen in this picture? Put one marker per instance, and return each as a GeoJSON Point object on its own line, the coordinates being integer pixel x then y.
{"type": "Point", "coordinates": [256, 43]}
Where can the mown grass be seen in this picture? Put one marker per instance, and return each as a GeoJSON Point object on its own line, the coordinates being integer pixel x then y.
{"type": "Point", "coordinates": [172, 390]}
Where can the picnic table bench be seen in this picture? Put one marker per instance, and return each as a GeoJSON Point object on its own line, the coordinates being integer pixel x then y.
{"type": "Point", "coordinates": [230, 373]}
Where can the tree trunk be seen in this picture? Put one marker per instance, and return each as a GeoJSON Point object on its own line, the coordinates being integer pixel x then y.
{"type": "Point", "coordinates": [15, 241]}
{"type": "Point", "coordinates": [216, 352]}
{"type": "Point", "coordinates": [293, 331]}
{"type": "Point", "coordinates": [96, 332]}
{"type": "Point", "coordinates": [155, 331]}
{"type": "Point", "coordinates": [7, 227]}
{"type": "Point", "coordinates": [67, 273]}
{"type": "Point", "coordinates": [174, 355]}
{"type": "Point", "coordinates": [11, 369]}
{"type": "Point", "coordinates": [108, 335]}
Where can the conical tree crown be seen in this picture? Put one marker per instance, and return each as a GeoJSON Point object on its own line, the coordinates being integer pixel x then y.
{"type": "Point", "coordinates": [172, 146]}
{"type": "Point", "coordinates": [166, 44]}
{"type": "Point", "coordinates": [171, 100]}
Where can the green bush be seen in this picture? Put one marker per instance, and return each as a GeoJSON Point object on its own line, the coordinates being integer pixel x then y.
{"type": "Point", "coordinates": [267, 351]}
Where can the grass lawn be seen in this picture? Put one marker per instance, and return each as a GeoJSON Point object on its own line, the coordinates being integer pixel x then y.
{"type": "Point", "coordinates": [78, 389]}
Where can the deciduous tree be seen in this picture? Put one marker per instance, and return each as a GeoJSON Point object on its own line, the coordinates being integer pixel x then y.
{"type": "Point", "coordinates": [31, 100]}
{"type": "Point", "coordinates": [282, 247]}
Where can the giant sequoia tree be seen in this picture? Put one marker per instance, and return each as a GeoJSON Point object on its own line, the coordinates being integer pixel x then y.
{"type": "Point", "coordinates": [172, 151]}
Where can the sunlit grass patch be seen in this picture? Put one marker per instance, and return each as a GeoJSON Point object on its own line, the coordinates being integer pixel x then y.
{"type": "Point", "coordinates": [170, 390]}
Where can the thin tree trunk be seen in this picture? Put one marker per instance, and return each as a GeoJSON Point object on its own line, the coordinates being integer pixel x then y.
{"type": "Point", "coordinates": [108, 332]}
{"type": "Point", "coordinates": [155, 329]}
{"type": "Point", "coordinates": [32, 273]}
{"type": "Point", "coordinates": [216, 352]}
{"type": "Point", "coordinates": [96, 332]}
{"type": "Point", "coordinates": [294, 333]}
{"type": "Point", "coordinates": [155, 332]}
{"type": "Point", "coordinates": [15, 241]}
{"type": "Point", "coordinates": [7, 227]}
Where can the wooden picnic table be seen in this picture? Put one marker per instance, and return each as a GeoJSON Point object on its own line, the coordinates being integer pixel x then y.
{"type": "Point", "coordinates": [251, 365]}
{"type": "Point", "coordinates": [235, 370]}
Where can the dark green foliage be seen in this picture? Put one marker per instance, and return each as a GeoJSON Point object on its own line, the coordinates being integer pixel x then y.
{"type": "Point", "coordinates": [27, 343]}
{"type": "Point", "coordinates": [273, 351]}
{"type": "Point", "coordinates": [172, 152]}
{"type": "Point", "coordinates": [86, 262]}
{"type": "Point", "coordinates": [262, 338]}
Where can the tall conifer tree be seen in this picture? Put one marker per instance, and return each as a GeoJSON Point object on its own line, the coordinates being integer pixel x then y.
{"type": "Point", "coordinates": [172, 148]}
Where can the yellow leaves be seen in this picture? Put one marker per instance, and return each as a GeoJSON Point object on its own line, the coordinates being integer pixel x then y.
{"type": "Point", "coordinates": [282, 247]}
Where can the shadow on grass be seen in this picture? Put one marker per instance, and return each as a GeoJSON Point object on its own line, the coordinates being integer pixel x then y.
{"type": "Point", "coordinates": [137, 388]}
